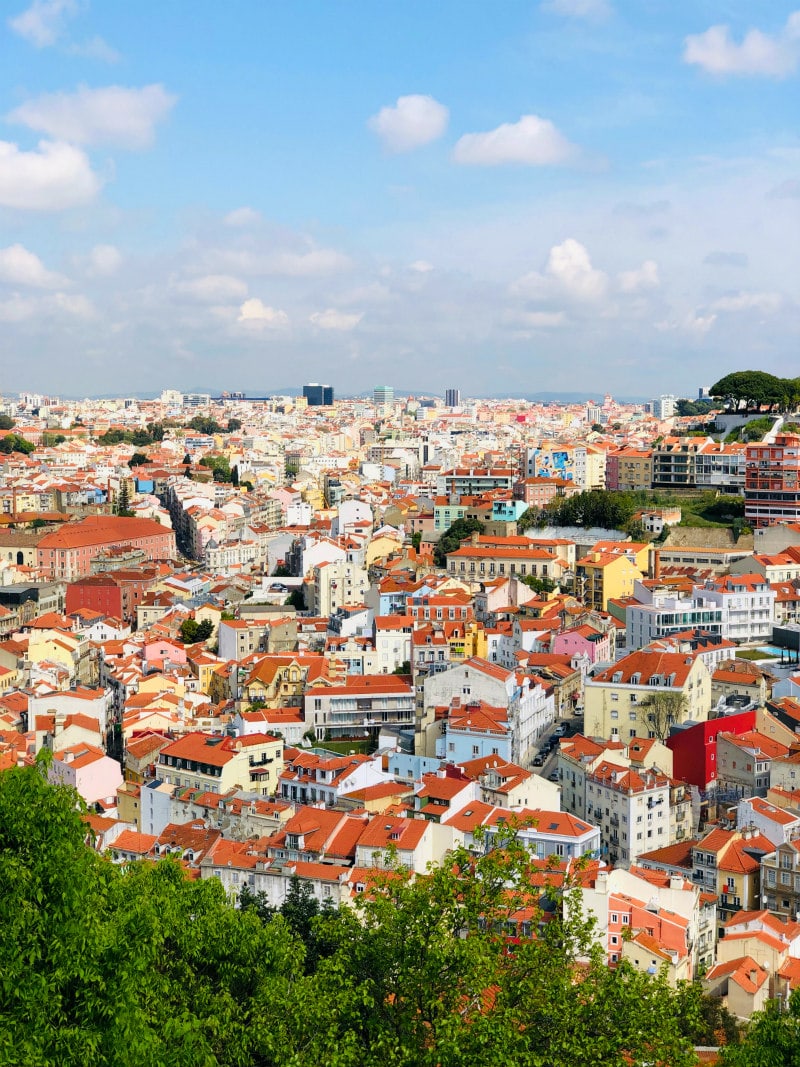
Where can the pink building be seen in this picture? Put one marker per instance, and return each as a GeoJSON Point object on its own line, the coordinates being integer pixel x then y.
{"type": "Point", "coordinates": [88, 770]}
{"type": "Point", "coordinates": [584, 640]}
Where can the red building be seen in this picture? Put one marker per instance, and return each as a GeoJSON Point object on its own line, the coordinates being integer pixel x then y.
{"type": "Point", "coordinates": [68, 552]}
{"type": "Point", "coordinates": [694, 747]}
{"type": "Point", "coordinates": [113, 593]}
{"type": "Point", "coordinates": [772, 481]}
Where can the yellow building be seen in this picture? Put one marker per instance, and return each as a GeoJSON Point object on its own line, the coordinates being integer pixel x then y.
{"type": "Point", "coordinates": [216, 763]}
{"type": "Point", "coordinates": [617, 701]}
{"type": "Point", "coordinates": [606, 575]}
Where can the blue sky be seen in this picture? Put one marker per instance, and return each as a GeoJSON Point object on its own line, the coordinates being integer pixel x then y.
{"type": "Point", "coordinates": [503, 197]}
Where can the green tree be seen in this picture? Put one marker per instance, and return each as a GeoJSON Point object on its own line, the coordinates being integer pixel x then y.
{"type": "Point", "coordinates": [123, 508]}
{"type": "Point", "coordinates": [106, 965]}
{"type": "Point", "coordinates": [205, 424]}
{"type": "Point", "coordinates": [705, 1020]}
{"type": "Point", "coordinates": [753, 390]}
{"type": "Point", "coordinates": [12, 442]}
{"type": "Point", "coordinates": [772, 1038]}
{"type": "Point", "coordinates": [693, 407]}
{"type": "Point", "coordinates": [137, 459]}
{"type": "Point", "coordinates": [539, 585]}
{"type": "Point", "coordinates": [595, 507]}
{"type": "Point", "coordinates": [189, 631]}
{"type": "Point", "coordinates": [296, 599]}
{"type": "Point", "coordinates": [234, 424]}
{"type": "Point", "coordinates": [6, 422]}
{"type": "Point", "coordinates": [235, 476]}
{"type": "Point", "coordinates": [427, 975]}
{"type": "Point", "coordinates": [451, 539]}
{"type": "Point", "coordinates": [220, 466]}
{"type": "Point", "coordinates": [661, 710]}
{"type": "Point", "coordinates": [205, 628]}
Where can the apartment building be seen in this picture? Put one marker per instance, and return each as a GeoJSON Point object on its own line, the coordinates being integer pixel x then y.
{"type": "Point", "coordinates": [217, 763]}
{"type": "Point", "coordinates": [618, 704]}
{"type": "Point", "coordinates": [772, 481]}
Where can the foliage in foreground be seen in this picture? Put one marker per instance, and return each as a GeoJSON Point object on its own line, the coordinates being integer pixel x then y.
{"type": "Point", "coordinates": [104, 966]}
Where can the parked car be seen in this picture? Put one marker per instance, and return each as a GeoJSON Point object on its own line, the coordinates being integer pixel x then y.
{"type": "Point", "coordinates": [554, 777]}
{"type": "Point", "coordinates": [538, 759]}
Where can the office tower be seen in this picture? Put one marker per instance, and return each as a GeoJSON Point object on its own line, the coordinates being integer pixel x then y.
{"type": "Point", "coordinates": [663, 407]}
{"type": "Point", "coordinates": [318, 396]}
{"type": "Point", "coordinates": [452, 398]}
{"type": "Point", "coordinates": [382, 395]}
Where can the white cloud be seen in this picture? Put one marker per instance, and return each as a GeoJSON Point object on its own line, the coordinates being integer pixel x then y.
{"type": "Point", "coordinates": [43, 22]}
{"type": "Point", "coordinates": [306, 264]}
{"type": "Point", "coordinates": [640, 279]}
{"type": "Point", "coordinates": [104, 260]}
{"type": "Point", "coordinates": [256, 314]}
{"type": "Point", "coordinates": [695, 325]}
{"type": "Point", "coordinates": [331, 319]}
{"type": "Point", "coordinates": [743, 301]}
{"type": "Point", "coordinates": [217, 288]}
{"type": "Point", "coordinates": [52, 177]}
{"type": "Point", "coordinates": [579, 9]}
{"type": "Point", "coordinates": [421, 266]}
{"type": "Point", "coordinates": [413, 121]}
{"type": "Point", "coordinates": [17, 308]}
{"type": "Point", "coordinates": [570, 266]}
{"type": "Point", "coordinates": [311, 264]}
{"type": "Point", "coordinates": [532, 141]}
{"type": "Point", "coordinates": [95, 48]}
{"type": "Point", "coordinates": [112, 115]}
{"type": "Point", "coordinates": [538, 320]}
{"type": "Point", "coordinates": [773, 56]}
{"type": "Point", "coordinates": [74, 304]}
{"type": "Point", "coordinates": [242, 216]}
{"type": "Point", "coordinates": [19, 266]}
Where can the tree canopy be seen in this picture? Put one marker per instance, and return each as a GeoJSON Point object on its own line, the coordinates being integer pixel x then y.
{"type": "Point", "coordinates": [452, 538]}
{"type": "Point", "coordinates": [752, 390]}
{"type": "Point", "coordinates": [103, 964]}
{"type": "Point", "coordinates": [595, 507]}
{"type": "Point", "coordinates": [13, 442]}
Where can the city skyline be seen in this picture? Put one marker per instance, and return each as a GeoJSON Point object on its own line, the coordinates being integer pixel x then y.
{"type": "Point", "coordinates": [567, 191]}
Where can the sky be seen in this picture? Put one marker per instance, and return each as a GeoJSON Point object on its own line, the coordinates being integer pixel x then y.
{"type": "Point", "coordinates": [507, 198]}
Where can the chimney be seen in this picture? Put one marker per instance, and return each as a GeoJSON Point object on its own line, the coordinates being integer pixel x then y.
{"type": "Point", "coordinates": [754, 976]}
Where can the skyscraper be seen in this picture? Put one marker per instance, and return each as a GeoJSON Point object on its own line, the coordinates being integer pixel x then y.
{"type": "Point", "coordinates": [452, 398]}
{"type": "Point", "coordinates": [382, 395]}
{"type": "Point", "coordinates": [318, 395]}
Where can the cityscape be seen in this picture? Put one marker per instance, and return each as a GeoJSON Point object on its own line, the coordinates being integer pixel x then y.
{"type": "Point", "coordinates": [399, 563]}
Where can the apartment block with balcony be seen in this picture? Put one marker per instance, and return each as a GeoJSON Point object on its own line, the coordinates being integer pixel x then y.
{"type": "Point", "coordinates": [747, 602]}
{"type": "Point", "coordinates": [357, 706]}
{"type": "Point", "coordinates": [728, 863]}
{"type": "Point", "coordinates": [772, 481]}
{"type": "Point", "coordinates": [780, 880]}
{"type": "Point", "coordinates": [216, 763]}
{"type": "Point", "coordinates": [631, 808]}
